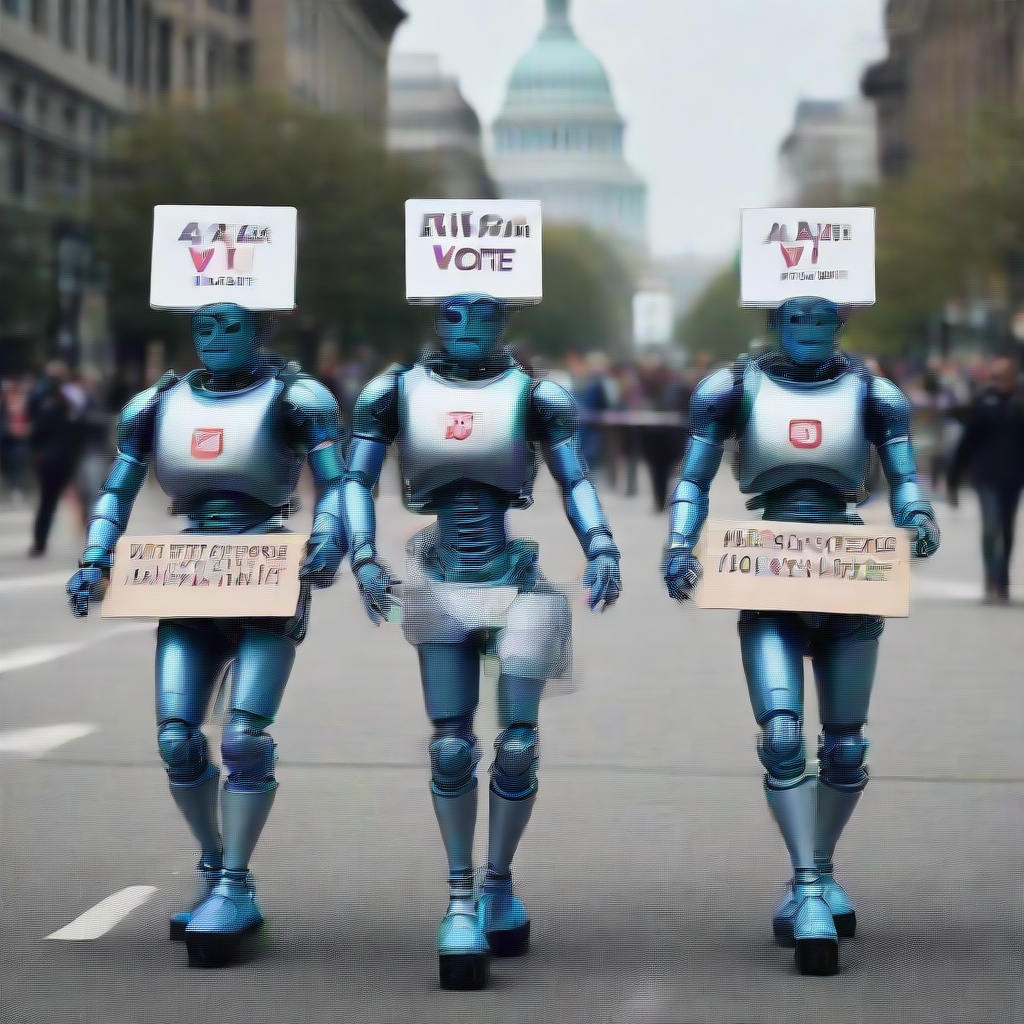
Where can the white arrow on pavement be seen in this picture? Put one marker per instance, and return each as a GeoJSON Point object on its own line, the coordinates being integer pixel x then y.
{"type": "Point", "coordinates": [100, 919]}
{"type": "Point", "coordinates": [42, 739]}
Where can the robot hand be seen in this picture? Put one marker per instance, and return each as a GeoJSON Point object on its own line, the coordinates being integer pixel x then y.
{"type": "Point", "coordinates": [375, 583]}
{"type": "Point", "coordinates": [88, 584]}
{"type": "Point", "coordinates": [603, 579]}
{"type": "Point", "coordinates": [927, 542]}
{"type": "Point", "coordinates": [322, 559]}
{"type": "Point", "coordinates": [682, 572]}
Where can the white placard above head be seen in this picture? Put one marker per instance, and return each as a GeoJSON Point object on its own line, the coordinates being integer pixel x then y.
{"type": "Point", "coordinates": [490, 246]}
{"type": "Point", "coordinates": [653, 322]}
{"type": "Point", "coordinates": [790, 253]}
{"type": "Point", "coordinates": [206, 254]}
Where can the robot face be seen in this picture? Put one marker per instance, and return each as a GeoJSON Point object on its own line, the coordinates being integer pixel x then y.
{"type": "Point", "coordinates": [226, 337]}
{"type": "Point", "coordinates": [808, 329]}
{"type": "Point", "coordinates": [471, 325]}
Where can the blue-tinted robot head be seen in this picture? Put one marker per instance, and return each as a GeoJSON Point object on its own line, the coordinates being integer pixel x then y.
{"type": "Point", "coordinates": [808, 329]}
{"type": "Point", "coordinates": [470, 326]}
{"type": "Point", "coordinates": [226, 337]}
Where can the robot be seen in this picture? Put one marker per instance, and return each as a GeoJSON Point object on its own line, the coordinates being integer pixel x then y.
{"type": "Point", "coordinates": [227, 443]}
{"type": "Point", "coordinates": [798, 478]}
{"type": "Point", "coordinates": [470, 424]}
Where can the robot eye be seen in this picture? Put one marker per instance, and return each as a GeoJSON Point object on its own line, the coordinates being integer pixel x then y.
{"type": "Point", "coordinates": [453, 316]}
{"type": "Point", "coordinates": [233, 328]}
{"type": "Point", "coordinates": [795, 318]}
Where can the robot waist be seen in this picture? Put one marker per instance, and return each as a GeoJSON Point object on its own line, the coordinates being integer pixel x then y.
{"type": "Point", "coordinates": [806, 502]}
{"type": "Point", "coordinates": [233, 513]}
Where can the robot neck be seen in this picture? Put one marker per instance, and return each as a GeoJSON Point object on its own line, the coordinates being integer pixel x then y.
{"type": "Point", "coordinates": [778, 364]}
{"type": "Point", "coordinates": [496, 361]}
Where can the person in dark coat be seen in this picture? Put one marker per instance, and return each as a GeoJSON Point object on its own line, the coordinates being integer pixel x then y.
{"type": "Point", "coordinates": [55, 447]}
{"type": "Point", "coordinates": [991, 451]}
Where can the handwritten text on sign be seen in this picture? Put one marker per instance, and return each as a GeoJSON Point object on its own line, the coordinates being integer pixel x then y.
{"type": "Point", "coordinates": [212, 577]}
{"type": "Point", "coordinates": [769, 566]}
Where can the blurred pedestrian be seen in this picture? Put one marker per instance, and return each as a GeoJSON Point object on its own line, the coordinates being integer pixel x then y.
{"type": "Point", "coordinates": [52, 410]}
{"type": "Point", "coordinates": [663, 444]}
{"type": "Point", "coordinates": [14, 439]}
{"type": "Point", "coordinates": [991, 451]}
{"type": "Point", "coordinates": [96, 449]}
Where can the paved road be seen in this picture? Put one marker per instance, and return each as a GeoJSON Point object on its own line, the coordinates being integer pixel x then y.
{"type": "Point", "coordinates": [650, 866]}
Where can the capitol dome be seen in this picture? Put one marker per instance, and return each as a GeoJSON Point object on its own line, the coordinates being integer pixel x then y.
{"type": "Point", "coordinates": [559, 137]}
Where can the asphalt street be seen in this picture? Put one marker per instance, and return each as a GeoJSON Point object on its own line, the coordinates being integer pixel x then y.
{"type": "Point", "coordinates": [650, 866]}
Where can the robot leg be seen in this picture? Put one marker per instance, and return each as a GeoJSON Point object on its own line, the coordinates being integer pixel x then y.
{"type": "Point", "coordinates": [231, 912]}
{"type": "Point", "coordinates": [513, 793]}
{"type": "Point", "coordinates": [188, 663]}
{"type": "Point", "coordinates": [772, 647]}
{"type": "Point", "coordinates": [451, 689]}
{"type": "Point", "coordinates": [844, 672]}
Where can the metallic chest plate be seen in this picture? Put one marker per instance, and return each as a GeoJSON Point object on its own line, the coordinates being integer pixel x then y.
{"type": "Point", "coordinates": [803, 433]}
{"type": "Point", "coordinates": [209, 444]}
{"type": "Point", "coordinates": [454, 430]}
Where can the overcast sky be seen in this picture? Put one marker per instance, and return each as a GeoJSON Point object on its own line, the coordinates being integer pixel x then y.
{"type": "Point", "coordinates": [707, 87]}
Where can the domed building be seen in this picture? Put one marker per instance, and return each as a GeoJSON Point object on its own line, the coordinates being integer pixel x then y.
{"type": "Point", "coordinates": [559, 138]}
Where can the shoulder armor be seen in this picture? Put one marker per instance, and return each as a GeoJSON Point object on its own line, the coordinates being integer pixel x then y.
{"type": "Point", "coordinates": [889, 410]}
{"type": "Point", "coordinates": [375, 414]}
{"type": "Point", "coordinates": [312, 406]}
{"type": "Point", "coordinates": [716, 397]}
{"type": "Point", "coordinates": [555, 408]}
{"type": "Point", "coordinates": [135, 425]}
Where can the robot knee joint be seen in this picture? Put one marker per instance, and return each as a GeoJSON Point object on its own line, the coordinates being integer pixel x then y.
{"type": "Point", "coordinates": [516, 755]}
{"type": "Point", "coordinates": [248, 752]}
{"type": "Point", "coordinates": [841, 754]}
{"type": "Point", "coordinates": [454, 756]}
{"type": "Point", "coordinates": [183, 750]}
{"type": "Point", "coordinates": [781, 747]}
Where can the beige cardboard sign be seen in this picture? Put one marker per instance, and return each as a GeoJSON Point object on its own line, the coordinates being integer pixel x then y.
{"type": "Point", "coordinates": [805, 567]}
{"type": "Point", "coordinates": [205, 576]}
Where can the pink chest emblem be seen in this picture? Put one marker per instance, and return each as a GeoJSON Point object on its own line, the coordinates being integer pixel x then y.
{"type": "Point", "coordinates": [207, 442]}
{"type": "Point", "coordinates": [460, 426]}
{"type": "Point", "coordinates": [805, 433]}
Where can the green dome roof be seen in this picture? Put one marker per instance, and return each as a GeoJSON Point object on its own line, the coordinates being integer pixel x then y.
{"type": "Point", "coordinates": [559, 70]}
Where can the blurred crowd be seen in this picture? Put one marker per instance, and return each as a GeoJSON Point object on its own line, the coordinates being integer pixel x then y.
{"type": "Point", "coordinates": [58, 429]}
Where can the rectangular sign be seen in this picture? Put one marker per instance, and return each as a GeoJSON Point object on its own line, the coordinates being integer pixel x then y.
{"type": "Point", "coordinates": [205, 576]}
{"type": "Point", "coordinates": [789, 253]}
{"type": "Point", "coordinates": [491, 246]}
{"type": "Point", "coordinates": [805, 567]}
{"type": "Point", "coordinates": [241, 254]}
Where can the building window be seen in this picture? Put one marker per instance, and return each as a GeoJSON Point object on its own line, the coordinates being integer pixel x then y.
{"type": "Point", "coordinates": [13, 8]}
{"type": "Point", "coordinates": [17, 94]}
{"type": "Point", "coordinates": [214, 49]}
{"type": "Point", "coordinates": [70, 120]}
{"type": "Point", "coordinates": [18, 165]}
{"type": "Point", "coordinates": [218, 5]}
{"type": "Point", "coordinates": [113, 30]}
{"type": "Point", "coordinates": [39, 16]}
{"type": "Point", "coordinates": [243, 8]}
{"type": "Point", "coordinates": [92, 30]}
{"type": "Point", "coordinates": [190, 62]}
{"type": "Point", "coordinates": [42, 110]}
{"type": "Point", "coordinates": [66, 26]}
{"type": "Point", "coordinates": [243, 63]}
{"type": "Point", "coordinates": [129, 41]}
{"type": "Point", "coordinates": [146, 57]}
{"type": "Point", "coordinates": [164, 48]}
{"type": "Point", "coordinates": [72, 176]}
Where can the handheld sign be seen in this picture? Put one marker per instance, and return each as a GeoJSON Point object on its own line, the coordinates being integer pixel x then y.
{"type": "Point", "coordinates": [491, 246]}
{"type": "Point", "coordinates": [790, 253]}
{"type": "Point", "coordinates": [805, 567]}
{"type": "Point", "coordinates": [207, 254]}
{"type": "Point", "coordinates": [198, 576]}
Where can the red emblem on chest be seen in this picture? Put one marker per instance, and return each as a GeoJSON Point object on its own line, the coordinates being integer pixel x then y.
{"type": "Point", "coordinates": [460, 426]}
{"type": "Point", "coordinates": [207, 442]}
{"type": "Point", "coordinates": [805, 433]}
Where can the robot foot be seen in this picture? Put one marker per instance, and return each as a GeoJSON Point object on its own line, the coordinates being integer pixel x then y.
{"type": "Point", "coordinates": [463, 956]}
{"type": "Point", "coordinates": [814, 934]}
{"type": "Point", "coordinates": [503, 918]}
{"type": "Point", "coordinates": [839, 903]}
{"type": "Point", "coordinates": [207, 879]}
{"type": "Point", "coordinates": [223, 920]}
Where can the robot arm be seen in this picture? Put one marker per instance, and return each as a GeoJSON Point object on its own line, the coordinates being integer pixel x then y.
{"type": "Point", "coordinates": [314, 415]}
{"type": "Point", "coordinates": [713, 409]}
{"type": "Point", "coordinates": [374, 429]}
{"type": "Point", "coordinates": [556, 416]}
{"type": "Point", "coordinates": [110, 514]}
{"type": "Point", "coordinates": [888, 428]}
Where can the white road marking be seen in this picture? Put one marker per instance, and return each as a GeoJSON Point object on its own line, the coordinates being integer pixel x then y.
{"type": "Point", "coordinates": [43, 579]}
{"type": "Point", "coordinates": [42, 739]}
{"type": "Point", "coordinates": [27, 657]}
{"type": "Point", "coordinates": [100, 919]}
{"type": "Point", "coordinates": [953, 590]}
